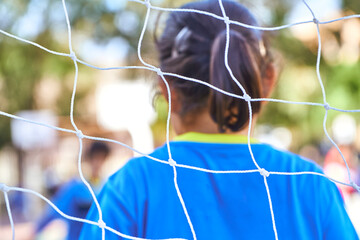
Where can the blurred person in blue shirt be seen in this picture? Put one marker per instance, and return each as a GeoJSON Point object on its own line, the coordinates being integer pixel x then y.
{"type": "Point", "coordinates": [73, 198]}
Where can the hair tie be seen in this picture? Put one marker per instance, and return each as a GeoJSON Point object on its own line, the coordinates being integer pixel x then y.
{"type": "Point", "coordinates": [180, 42]}
{"type": "Point", "coordinates": [262, 48]}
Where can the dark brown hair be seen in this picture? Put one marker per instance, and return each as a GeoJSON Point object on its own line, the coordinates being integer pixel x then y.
{"type": "Point", "coordinates": [98, 148]}
{"type": "Point", "coordinates": [193, 45]}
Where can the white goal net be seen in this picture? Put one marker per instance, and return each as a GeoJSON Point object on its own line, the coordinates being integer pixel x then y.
{"type": "Point", "coordinates": [149, 6]}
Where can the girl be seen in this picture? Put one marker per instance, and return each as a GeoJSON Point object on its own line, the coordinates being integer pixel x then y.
{"type": "Point", "coordinates": [141, 199]}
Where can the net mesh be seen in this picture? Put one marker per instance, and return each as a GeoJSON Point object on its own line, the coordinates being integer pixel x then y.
{"type": "Point", "coordinates": [149, 67]}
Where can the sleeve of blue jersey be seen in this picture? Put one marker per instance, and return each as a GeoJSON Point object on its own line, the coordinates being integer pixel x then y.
{"type": "Point", "coordinates": [337, 224]}
{"type": "Point", "coordinates": [118, 204]}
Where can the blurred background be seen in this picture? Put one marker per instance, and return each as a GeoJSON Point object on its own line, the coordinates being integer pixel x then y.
{"type": "Point", "coordinates": [119, 104]}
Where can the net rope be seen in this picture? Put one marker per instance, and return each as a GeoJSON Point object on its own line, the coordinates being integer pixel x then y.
{"type": "Point", "coordinates": [146, 66]}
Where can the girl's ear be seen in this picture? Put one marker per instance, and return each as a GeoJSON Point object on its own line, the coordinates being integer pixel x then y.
{"type": "Point", "coordinates": [269, 80]}
{"type": "Point", "coordinates": [175, 102]}
{"type": "Point", "coordinates": [163, 89]}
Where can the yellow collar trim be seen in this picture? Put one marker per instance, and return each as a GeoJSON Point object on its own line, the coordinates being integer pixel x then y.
{"type": "Point", "coordinates": [214, 138]}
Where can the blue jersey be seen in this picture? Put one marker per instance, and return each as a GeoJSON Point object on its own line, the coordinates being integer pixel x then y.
{"type": "Point", "coordinates": [73, 199]}
{"type": "Point", "coordinates": [140, 199]}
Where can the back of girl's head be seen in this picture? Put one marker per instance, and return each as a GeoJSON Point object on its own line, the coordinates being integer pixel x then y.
{"type": "Point", "coordinates": [193, 45]}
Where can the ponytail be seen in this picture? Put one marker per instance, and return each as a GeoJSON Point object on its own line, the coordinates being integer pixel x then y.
{"type": "Point", "coordinates": [228, 112]}
{"type": "Point", "coordinates": [193, 45]}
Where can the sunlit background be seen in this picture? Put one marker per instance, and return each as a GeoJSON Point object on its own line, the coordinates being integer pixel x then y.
{"type": "Point", "coordinates": [121, 104]}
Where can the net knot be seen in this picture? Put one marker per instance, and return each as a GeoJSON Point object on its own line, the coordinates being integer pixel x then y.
{"type": "Point", "coordinates": [147, 3]}
{"type": "Point", "coordinates": [263, 172]}
{"type": "Point", "coordinates": [79, 134]}
{"type": "Point", "coordinates": [72, 56]}
{"type": "Point", "coordinates": [4, 188]}
{"type": "Point", "coordinates": [101, 224]}
{"type": "Point", "coordinates": [327, 107]}
{"type": "Point", "coordinates": [158, 71]}
{"type": "Point", "coordinates": [355, 186]}
{"type": "Point", "coordinates": [226, 20]}
{"type": "Point", "coordinates": [316, 21]}
{"type": "Point", "coordinates": [172, 162]}
{"type": "Point", "coordinates": [247, 97]}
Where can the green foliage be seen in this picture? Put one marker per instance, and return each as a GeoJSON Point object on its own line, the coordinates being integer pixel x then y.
{"type": "Point", "coordinates": [344, 86]}
{"type": "Point", "coordinates": [23, 66]}
{"type": "Point", "coordinates": [354, 6]}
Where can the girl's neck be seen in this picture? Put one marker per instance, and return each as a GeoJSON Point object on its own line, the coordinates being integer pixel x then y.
{"type": "Point", "coordinates": [202, 122]}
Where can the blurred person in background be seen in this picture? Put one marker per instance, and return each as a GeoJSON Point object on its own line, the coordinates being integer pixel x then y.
{"type": "Point", "coordinates": [73, 198]}
{"type": "Point", "coordinates": [344, 134]}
